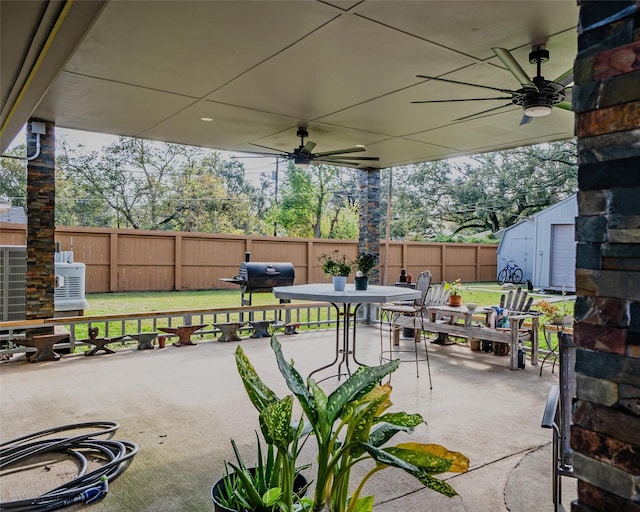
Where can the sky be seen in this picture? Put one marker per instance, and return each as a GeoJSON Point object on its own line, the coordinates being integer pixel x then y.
{"type": "Point", "coordinates": [254, 167]}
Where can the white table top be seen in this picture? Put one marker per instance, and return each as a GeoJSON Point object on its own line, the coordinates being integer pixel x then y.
{"type": "Point", "coordinates": [325, 292]}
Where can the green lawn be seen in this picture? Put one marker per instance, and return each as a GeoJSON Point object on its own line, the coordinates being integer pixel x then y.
{"type": "Point", "coordinates": [485, 294]}
{"type": "Point", "coordinates": [138, 302]}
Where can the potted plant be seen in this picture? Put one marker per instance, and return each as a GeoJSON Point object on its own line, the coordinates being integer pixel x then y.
{"type": "Point", "coordinates": [337, 266]}
{"type": "Point", "coordinates": [350, 425]}
{"type": "Point", "coordinates": [365, 262]}
{"type": "Point", "coordinates": [555, 313]}
{"type": "Point", "coordinates": [455, 292]}
{"type": "Point", "coordinates": [258, 488]}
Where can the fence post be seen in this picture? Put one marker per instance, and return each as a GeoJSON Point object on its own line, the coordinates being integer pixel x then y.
{"type": "Point", "coordinates": [177, 262]}
{"type": "Point", "coordinates": [113, 261]}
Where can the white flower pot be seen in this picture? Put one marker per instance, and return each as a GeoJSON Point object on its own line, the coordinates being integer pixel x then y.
{"type": "Point", "coordinates": [339, 283]}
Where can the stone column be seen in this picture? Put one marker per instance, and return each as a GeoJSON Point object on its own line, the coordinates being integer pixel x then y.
{"type": "Point", "coordinates": [369, 216]}
{"type": "Point", "coordinates": [605, 434]}
{"type": "Point", "coordinates": [41, 191]}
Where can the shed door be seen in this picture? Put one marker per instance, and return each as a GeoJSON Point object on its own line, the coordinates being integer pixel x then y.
{"type": "Point", "coordinates": [563, 257]}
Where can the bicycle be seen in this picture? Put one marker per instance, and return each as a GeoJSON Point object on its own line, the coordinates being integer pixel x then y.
{"type": "Point", "coordinates": [510, 273]}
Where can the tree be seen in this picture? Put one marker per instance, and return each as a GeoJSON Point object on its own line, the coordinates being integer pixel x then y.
{"type": "Point", "coordinates": [152, 185]}
{"type": "Point", "coordinates": [317, 202]}
{"type": "Point", "coordinates": [419, 199]}
{"type": "Point", "coordinates": [13, 177]}
{"type": "Point", "coordinates": [495, 190]}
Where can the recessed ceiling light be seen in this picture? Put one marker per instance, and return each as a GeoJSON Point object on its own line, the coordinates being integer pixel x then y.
{"type": "Point", "coordinates": [206, 119]}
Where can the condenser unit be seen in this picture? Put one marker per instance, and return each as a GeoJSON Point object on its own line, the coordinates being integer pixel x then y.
{"type": "Point", "coordinates": [13, 269]}
{"type": "Point", "coordinates": [69, 295]}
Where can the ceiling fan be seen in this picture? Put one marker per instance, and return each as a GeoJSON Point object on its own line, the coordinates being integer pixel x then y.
{"type": "Point", "coordinates": [302, 156]}
{"type": "Point", "coordinates": [537, 96]}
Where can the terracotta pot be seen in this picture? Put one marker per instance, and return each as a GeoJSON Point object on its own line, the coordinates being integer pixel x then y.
{"type": "Point", "coordinates": [455, 300]}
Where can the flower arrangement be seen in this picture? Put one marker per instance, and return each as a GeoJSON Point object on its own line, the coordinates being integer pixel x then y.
{"type": "Point", "coordinates": [554, 312]}
{"type": "Point", "coordinates": [335, 265]}
{"type": "Point", "coordinates": [454, 287]}
{"type": "Point", "coordinates": [365, 262]}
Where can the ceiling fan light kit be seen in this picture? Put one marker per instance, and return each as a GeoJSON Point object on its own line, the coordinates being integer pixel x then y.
{"type": "Point", "coordinates": [537, 110]}
{"type": "Point", "coordinates": [303, 157]}
{"type": "Point", "coordinates": [537, 96]}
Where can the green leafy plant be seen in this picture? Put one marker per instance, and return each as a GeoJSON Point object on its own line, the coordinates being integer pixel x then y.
{"type": "Point", "coordinates": [554, 312]}
{"type": "Point", "coordinates": [365, 262]}
{"type": "Point", "coordinates": [287, 437]}
{"type": "Point", "coordinates": [257, 488]}
{"type": "Point", "coordinates": [454, 287]}
{"type": "Point", "coordinates": [351, 425]}
{"type": "Point", "coordinates": [335, 265]}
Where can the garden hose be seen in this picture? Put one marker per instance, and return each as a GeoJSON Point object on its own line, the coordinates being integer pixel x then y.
{"type": "Point", "coordinates": [86, 487]}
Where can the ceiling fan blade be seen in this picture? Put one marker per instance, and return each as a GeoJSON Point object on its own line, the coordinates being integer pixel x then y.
{"type": "Point", "coordinates": [466, 83]}
{"type": "Point", "coordinates": [307, 148]}
{"type": "Point", "coordinates": [347, 158]}
{"type": "Point", "coordinates": [272, 149]}
{"type": "Point", "coordinates": [565, 78]}
{"type": "Point", "coordinates": [356, 149]}
{"type": "Point", "coordinates": [465, 99]}
{"type": "Point", "coordinates": [513, 66]}
{"type": "Point", "coordinates": [525, 120]}
{"type": "Point", "coordinates": [564, 105]}
{"type": "Point", "coordinates": [343, 163]}
{"type": "Point", "coordinates": [484, 112]}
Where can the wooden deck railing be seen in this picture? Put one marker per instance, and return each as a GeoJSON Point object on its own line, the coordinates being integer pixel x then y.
{"type": "Point", "coordinates": [306, 314]}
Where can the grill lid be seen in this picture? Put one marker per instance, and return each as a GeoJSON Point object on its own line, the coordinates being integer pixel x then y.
{"type": "Point", "coordinates": [257, 276]}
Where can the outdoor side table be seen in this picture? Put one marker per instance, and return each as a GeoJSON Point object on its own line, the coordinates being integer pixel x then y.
{"type": "Point", "coordinates": [548, 331]}
{"type": "Point", "coordinates": [229, 331]}
{"type": "Point", "coordinates": [183, 333]}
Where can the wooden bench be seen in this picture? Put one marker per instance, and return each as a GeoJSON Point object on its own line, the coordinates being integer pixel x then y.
{"type": "Point", "coordinates": [512, 335]}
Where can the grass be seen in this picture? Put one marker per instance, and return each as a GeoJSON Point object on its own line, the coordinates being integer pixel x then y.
{"type": "Point", "coordinates": [484, 294]}
{"type": "Point", "coordinates": [142, 302]}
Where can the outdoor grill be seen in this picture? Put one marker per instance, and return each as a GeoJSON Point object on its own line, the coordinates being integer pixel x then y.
{"type": "Point", "coordinates": [258, 276]}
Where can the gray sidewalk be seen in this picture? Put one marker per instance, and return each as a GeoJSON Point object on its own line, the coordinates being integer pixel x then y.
{"type": "Point", "coordinates": [183, 405]}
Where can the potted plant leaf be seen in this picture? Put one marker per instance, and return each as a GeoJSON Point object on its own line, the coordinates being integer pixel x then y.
{"type": "Point", "coordinates": [352, 425]}
{"type": "Point", "coordinates": [338, 266]}
{"type": "Point", "coordinates": [366, 261]}
{"type": "Point", "coordinates": [258, 488]}
{"type": "Point", "coordinates": [455, 292]}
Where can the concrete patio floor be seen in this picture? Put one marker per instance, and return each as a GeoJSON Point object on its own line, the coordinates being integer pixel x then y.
{"type": "Point", "coordinates": [182, 406]}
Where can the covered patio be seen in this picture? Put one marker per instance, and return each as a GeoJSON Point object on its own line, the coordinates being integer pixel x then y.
{"type": "Point", "coordinates": [230, 75]}
{"type": "Point", "coordinates": [182, 414]}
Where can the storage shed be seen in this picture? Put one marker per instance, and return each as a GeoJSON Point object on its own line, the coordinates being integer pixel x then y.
{"type": "Point", "coordinates": [543, 246]}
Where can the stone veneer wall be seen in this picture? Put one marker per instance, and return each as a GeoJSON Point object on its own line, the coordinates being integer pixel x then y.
{"type": "Point", "coordinates": [41, 192]}
{"type": "Point", "coordinates": [369, 238]}
{"type": "Point", "coordinates": [605, 434]}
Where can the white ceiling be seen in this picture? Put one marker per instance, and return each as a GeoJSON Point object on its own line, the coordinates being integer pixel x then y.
{"type": "Point", "coordinates": [344, 69]}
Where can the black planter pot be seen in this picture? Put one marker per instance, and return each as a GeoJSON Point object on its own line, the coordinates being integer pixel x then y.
{"type": "Point", "coordinates": [299, 484]}
{"type": "Point", "coordinates": [361, 283]}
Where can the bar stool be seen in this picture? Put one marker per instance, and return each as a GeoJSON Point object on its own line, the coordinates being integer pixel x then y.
{"type": "Point", "coordinates": [410, 315]}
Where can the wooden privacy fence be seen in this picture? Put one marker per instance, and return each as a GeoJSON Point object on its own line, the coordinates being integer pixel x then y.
{"type": "Point", "coordinates": [121, 260]}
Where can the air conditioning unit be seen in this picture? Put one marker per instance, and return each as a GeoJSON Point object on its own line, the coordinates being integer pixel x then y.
{"type": "Point", "coordinates": [13, 269]}
{"type": "Point", "coordinates": [69, 297]}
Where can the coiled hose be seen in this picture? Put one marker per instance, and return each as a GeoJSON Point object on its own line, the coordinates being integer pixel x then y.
{"type": "Point", "coordinates": [86, 487]}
